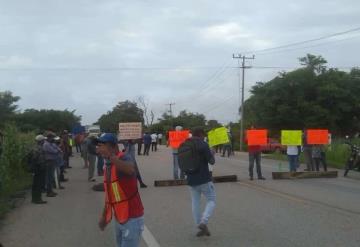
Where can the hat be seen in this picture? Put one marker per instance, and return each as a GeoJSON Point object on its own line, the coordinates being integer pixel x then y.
{"type": "Point", "coordinates": [178, 128]}
{"type": "Point", "coordinates": [50, 134]}
{"type": "Point", "coordinates": [57, 138]}
{"type": "Point", "coordinates": [40, 138]}
{"type": "Point", "coordinates": [108, 138]}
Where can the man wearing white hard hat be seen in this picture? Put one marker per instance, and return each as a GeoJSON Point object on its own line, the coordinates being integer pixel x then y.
{"type": "Point", "coordinates": [38, 168]}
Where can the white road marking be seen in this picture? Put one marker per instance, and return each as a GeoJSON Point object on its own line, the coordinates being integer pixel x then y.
{"type": "Point", "coordinates": [149, 238]}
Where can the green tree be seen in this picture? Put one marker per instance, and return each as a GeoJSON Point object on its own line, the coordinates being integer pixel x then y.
{"type": "Point", "coordinates": [40, 120]}
{"type": "Point", "coordinates": [125, 111]}
{"type": "Point", "coordinates": [212, 124]}
{"type": "Point", "coordinates": [187, 120]}
{"type": "Point", "coordinates": [314, 63]}
{"type": "Point", "coordinates": [7, 106]}
{"type": "Point", "coordinates": [305, 99]}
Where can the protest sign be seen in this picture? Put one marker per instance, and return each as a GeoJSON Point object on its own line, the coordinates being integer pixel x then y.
{"type": "Point", "coordinates": [130, 131]}
{"type": "Point", "coordinates": [257, 137]}
{"type": "Point", "coordinates": [218, 136]}
{"type": "Point", "coordinates": [317, 136]}
{"type": "Point", "coordinates": [176, 138]}
{"type": "Point", "coordinates": [291, 137]}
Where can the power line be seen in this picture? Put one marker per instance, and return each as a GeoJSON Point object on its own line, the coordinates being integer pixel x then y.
{"type": "Point", "coordinates": [209, 81]}
{"type": "Point", "coordinates": [310, 46]}
{"type": "Point", "coordinates": [110, 68]}
{"type": "Point", "coordinates": [305, 41]}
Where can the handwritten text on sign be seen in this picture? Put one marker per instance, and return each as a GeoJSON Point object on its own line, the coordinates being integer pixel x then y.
{"type": "Point", "coordinates": [130, 131]}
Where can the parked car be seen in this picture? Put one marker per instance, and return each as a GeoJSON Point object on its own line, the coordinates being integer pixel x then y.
{"type": "Point", "coordinates": [273, 146]}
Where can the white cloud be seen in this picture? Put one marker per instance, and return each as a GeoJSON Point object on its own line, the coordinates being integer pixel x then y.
{"type": "Point", "coordinates": [227, 32]}
{"type": "Point", "coordinates": [15, 61]}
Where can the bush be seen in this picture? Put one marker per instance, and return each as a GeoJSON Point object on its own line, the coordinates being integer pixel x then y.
{"type": "Point", "coordinates": [13, 168]}
{"type": "Point", "coordinates": [336, 154]}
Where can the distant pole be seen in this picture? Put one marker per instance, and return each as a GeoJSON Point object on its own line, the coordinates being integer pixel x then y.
{"type": "Point", "coordinates": [242, 87]}
{"type": "Point", "coordinates": [170, 111]}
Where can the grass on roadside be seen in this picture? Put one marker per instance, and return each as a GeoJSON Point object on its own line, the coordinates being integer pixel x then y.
{"type": "Point", "coordinates": [336, 154]}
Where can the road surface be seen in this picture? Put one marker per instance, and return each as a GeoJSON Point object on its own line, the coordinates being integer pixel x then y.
{"type": "Point", "coordinates": [308, 212]}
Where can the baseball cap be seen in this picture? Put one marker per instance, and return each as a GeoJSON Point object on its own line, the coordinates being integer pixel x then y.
{"type": "Point", "coordinates": [40, 138]}
{"type": "Point", "coordinates": [108, 138]}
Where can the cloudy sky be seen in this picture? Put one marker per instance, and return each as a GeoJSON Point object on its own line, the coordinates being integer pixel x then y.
{"type": "Point", "coordinates": [89, 54]}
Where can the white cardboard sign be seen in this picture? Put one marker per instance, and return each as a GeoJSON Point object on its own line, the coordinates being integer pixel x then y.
{"type": "Point", "coordinates": [130, 131]}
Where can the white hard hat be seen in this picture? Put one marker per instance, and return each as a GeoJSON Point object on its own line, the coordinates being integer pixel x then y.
{"type": "Point", "coordinates": [40, 138]}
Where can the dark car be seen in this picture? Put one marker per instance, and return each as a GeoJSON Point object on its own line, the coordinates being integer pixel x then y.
{"type": "Point", "coordinates": [273, 146]}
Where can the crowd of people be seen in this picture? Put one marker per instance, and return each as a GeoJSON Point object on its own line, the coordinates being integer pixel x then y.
{"type": "Point", "coordinates": [49, 160]}
{"type": "Point", "coordinates": [102, 153]}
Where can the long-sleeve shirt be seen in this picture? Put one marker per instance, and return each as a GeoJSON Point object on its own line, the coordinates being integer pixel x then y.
{"type": "Point", "coordinates": [203, 175]}
{"type": "Point", "coordinates": [51, 151]}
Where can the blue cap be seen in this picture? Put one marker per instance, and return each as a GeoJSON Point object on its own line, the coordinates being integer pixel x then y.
{"type": "Point", "coordinates": [108, 138]}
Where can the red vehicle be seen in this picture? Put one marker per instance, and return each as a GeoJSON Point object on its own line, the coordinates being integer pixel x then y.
{"type": "Point", "coordinates": [273, 146]}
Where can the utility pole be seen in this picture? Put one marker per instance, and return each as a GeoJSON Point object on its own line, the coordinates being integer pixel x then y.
{"type": "Point", "coordinates": [241, 91]}
{"type": "Point", "coordinates": [170, 111]}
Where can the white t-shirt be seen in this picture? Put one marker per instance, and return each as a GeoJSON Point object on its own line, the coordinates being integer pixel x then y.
{"type": "Point", "coordinates": [292, 150]}
{"type": "Point", "coordinates": [160, 136]}
{"type": "Point", "coordinates": [153, 137]}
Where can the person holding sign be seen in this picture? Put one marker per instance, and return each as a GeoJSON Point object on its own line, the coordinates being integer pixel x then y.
{"type": "Point", "coordinates": [292, 153]}
{"type": "Point", "coordinates": [175, 143]}
{"type": "Point", "coordinates": [317, 155]}
{"type": "Point", "coordinates": [292, 139]}
{"type": "Point", "coordinates": [255, 138]}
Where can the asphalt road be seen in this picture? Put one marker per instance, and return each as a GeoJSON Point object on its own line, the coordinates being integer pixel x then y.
{"type": "Point", "coordinates": [308, 212]}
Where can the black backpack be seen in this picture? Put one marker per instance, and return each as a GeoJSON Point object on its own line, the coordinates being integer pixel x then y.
{"type": "Point", "coordinates": [189, 157]}
{"type": "Point", "coordinates": [35, 159]}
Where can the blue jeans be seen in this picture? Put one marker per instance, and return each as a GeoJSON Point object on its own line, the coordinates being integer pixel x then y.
{"type": "Point", "coordinates": [209, 192]}
{"type": "Point", "coordinates": [293, 161]}
{"type": "Point", "coordinates": [129, 234]}
{"type": "Point", "coordinates": [176, 168]}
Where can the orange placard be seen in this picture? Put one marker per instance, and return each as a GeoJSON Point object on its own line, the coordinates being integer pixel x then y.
{"type": "Point", "coordinates": [257, 137]}
{"type": "Point", "coordinates": [317, 136]}
{"type": "Point", "coordinates": [178, 137]}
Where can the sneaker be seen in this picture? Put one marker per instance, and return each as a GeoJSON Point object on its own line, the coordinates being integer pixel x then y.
{"type": "Point", "coordinates": [261, 178]}
{"type": "Point", "coordinates": [92, 180]}
{"type": "Point", "coordinates": [61, 187]}
{"type": "Point", "coordinates": [251, 178]}
{"type": "Point", "coordinates": [204, 230]}
{"type": "Point", "coordinates": [142, 185]}
{"type": "Point", "coordinates": [64, 180]}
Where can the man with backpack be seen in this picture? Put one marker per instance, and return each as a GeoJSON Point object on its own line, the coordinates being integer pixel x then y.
{"type": "Point", "coordinates": [194, 156]}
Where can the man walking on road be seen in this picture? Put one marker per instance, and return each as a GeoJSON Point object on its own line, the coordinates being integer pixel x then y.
{"type": "Point", "coordinates": [160, 136]}
{"type": "Point", "coordinates": [200, 182]}
{"type": "Point", "coordinates": [147, 143]}
{"type": "Point", "coordinates": [122, 199]}
{"type": "Point", "coordinates": [154, 142]}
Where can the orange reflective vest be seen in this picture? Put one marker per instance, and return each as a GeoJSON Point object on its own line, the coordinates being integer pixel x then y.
{"type": "Point", "coordinates": [116, 201]}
